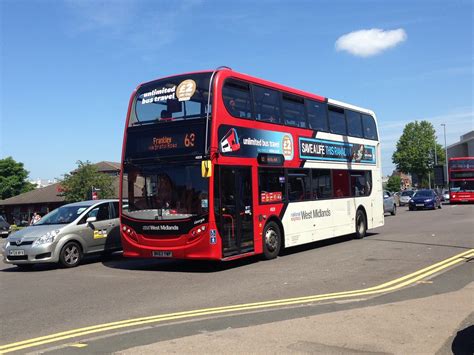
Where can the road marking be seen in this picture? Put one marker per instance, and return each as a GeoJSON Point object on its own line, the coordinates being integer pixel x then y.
{"type": "Point", "coordinates": [396, 284]}
{"type": "Point", "coordinates": [78, 345]}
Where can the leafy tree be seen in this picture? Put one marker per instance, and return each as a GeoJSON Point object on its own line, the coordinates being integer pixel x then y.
{"type": "Point", "coordinates": [13, 178]}
{"type": "Point", "coordinates": [394, 182]}
{"type": "Point", "coordinates": [78, 185]}
{"type": "Point", "coordinates": [415, 150]}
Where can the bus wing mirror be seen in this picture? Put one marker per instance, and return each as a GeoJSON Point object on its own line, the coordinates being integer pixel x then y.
{"type": "Point", "coordinates": [206, 168]}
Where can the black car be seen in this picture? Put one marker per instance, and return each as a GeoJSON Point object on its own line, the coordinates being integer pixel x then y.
{"type": "Point", "coordinates": [4, 227]}
{"type": "Point", "coordinates": [424, 199]}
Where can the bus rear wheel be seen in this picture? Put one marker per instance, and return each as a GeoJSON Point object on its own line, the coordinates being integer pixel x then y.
{"type": "Point", "coordinates": [271, 240]}
{"type": "Point", "coordinates": [360, 224]}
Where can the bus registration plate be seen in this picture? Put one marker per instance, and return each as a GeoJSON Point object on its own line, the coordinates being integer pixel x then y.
{"type": "Point", "coordinates": [162, 254]}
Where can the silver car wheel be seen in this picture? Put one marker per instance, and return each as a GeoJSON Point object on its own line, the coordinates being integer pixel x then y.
{"type": "Point", "coordinates": [71, 254]}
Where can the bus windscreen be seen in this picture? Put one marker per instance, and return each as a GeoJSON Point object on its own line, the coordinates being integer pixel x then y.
{"type": "Point", "coordinates": [176, 98]}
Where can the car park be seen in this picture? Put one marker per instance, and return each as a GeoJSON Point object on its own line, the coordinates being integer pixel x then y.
{"type": "Point", "coordinates": [389, 204]}
{"type": "Point", "coordinates": [66, 234]}
{"type": "Point", "coordinates": [405, 197]}
{"type": "Point", "coordinates": [424, 199]}
{"type": "Point", "coordinates": [4, 227]}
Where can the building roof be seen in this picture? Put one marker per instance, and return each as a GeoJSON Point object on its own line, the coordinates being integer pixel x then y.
{"type": "Point", "coordinates": [52, 193]}
{"type": "Point", "coordinates": [105, 166]}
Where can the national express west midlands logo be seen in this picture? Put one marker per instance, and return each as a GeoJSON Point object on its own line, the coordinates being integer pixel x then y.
{"type": "Point", "coordinates": [316, 213]}
{"type": "Point", "coordinates": [230, 142]}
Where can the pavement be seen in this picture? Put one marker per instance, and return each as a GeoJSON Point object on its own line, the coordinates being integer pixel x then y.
{"type": "Point", "coordinates": [417, 326]}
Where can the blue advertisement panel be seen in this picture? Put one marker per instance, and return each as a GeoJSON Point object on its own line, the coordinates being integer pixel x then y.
{"type": "Point", "coordinates": [249, 142]}
{"type": "Point", "coordinates": [320, 149]}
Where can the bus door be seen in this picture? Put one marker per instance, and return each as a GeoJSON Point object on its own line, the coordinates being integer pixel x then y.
{"type": "Point", "coordinates": [234, 209]}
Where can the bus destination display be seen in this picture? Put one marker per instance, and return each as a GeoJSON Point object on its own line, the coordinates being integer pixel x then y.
{"type": "Point", "coordinates": [165, 141]}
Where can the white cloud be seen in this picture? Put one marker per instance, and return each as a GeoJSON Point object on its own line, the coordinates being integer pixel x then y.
{"type": "Point", "coordinates": [366, 43]}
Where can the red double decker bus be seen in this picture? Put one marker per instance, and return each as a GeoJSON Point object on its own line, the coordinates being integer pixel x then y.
{"type": "Point", "coordinates": [461, 179]}
{"type": "Point", "coordinates": [221, 165]}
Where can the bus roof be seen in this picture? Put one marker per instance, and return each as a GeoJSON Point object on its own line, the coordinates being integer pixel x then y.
{"type": "Point", "coordinates": [232, 73]}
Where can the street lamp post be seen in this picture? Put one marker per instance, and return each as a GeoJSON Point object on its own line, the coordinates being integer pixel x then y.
{"type": "Point", "coordinates": [446, 153]}
{"type": "Point", "coordinates": [435, 163]}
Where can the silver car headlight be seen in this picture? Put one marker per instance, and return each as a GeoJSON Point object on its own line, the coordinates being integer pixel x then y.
{"type": "Point", "coordinates": [46, 238]}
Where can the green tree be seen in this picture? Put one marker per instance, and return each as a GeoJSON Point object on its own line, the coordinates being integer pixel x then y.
{"type": "Point", "coordinates": [13, 178]}
{"type": "Point", "coordinates": [393, 183]}
{"type": "Point", "coordinates": [78, 185]}
{"type": "Point", "coordinates": [415, 150]}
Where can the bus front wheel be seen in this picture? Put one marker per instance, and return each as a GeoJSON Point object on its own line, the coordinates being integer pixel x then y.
{"type": "Point", "coordinates": [271, 240]}
{"type": "Point", "coordinates": [360, 224]}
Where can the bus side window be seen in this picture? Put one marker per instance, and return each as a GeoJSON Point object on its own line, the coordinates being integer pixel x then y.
{"type": "Point", "coordinates": [293, 110]}
{"type": "Point", "coordinates": [341, 186]}
{"type": "Point", "coordinates": [271, 185]}
{"type": "Point", "coordinates": [354, 123]}
{"type": "Point", "coordinates": [361, 182]}
{"type": "Point", "coordinates": [267, 104]}
{"type": "Point", "coordinates": [337, 120]}
{"type": "Point", "coordinates": [236, 95]}
{"type": "Point", "coordinates": [299, 185]}
{"type": "Point", "coordinates": [317, 115]}
{"type": "Point", "coordinates": [321, 184]}
{"type": "Point", "coordinates": [370, 129]}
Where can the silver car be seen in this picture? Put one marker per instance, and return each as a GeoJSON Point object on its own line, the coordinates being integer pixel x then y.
{"type": "Point", "coordinates": [405, 197]}
{"type": "Point", "coordinates": [389, 204]}
{"type": "Point", "coordinates": [66, 234]}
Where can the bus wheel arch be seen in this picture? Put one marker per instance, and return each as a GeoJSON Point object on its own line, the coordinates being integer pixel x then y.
{"type": "Point", "coordinates": [360, 223]}
{"type": "Point", "coordinates": [272, 238]}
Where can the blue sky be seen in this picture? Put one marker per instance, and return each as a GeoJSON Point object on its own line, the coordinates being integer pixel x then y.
{"type": "Point", "coordinates": [68, 67]}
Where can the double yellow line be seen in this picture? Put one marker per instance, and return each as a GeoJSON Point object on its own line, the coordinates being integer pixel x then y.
{"type": "Point", "coordinates": [385, 287]}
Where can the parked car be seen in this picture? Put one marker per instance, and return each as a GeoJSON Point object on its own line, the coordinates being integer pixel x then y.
{"type": "Point", "coordinates": [4, 227]}
{"type": "Point", "coordinates": [445, 194]}
{"type": "Point", "coordinates": [424, 199]}
{"type": "Point", "coordinates": [405, 196]}
{"type": "Point", "coordinates": [389, 204]}
{"type": "Point", "coordinates": [66, 234]}
{"type": "Point", "coordinates": [396, 198]}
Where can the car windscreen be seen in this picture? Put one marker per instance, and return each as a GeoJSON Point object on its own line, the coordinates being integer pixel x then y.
{"type": "Point", "coordinates": [62, 215]}
{"type": "Point", "coordinates": [407, 193]}
{"type": "Point", "coordinates": [424, 193]}
{"type": "Point", "coordinates": [176, 98]}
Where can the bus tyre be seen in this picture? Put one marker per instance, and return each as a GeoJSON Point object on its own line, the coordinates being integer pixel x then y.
{"type": "Point", "coordinates": [70, 255]}
{"type": "Point", "coordinates": [271, 240]}
{"type": "Point", "coordinates": [360, 225]}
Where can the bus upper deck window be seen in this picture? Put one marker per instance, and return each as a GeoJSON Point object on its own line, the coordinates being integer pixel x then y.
{"type": "Point", "coordinates": [267, 104]}
{"type": "Point", "coordinates": [370, 129]}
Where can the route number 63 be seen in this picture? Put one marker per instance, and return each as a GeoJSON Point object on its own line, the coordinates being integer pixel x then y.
{"type": "Point", "coordinates": [189, 140]}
